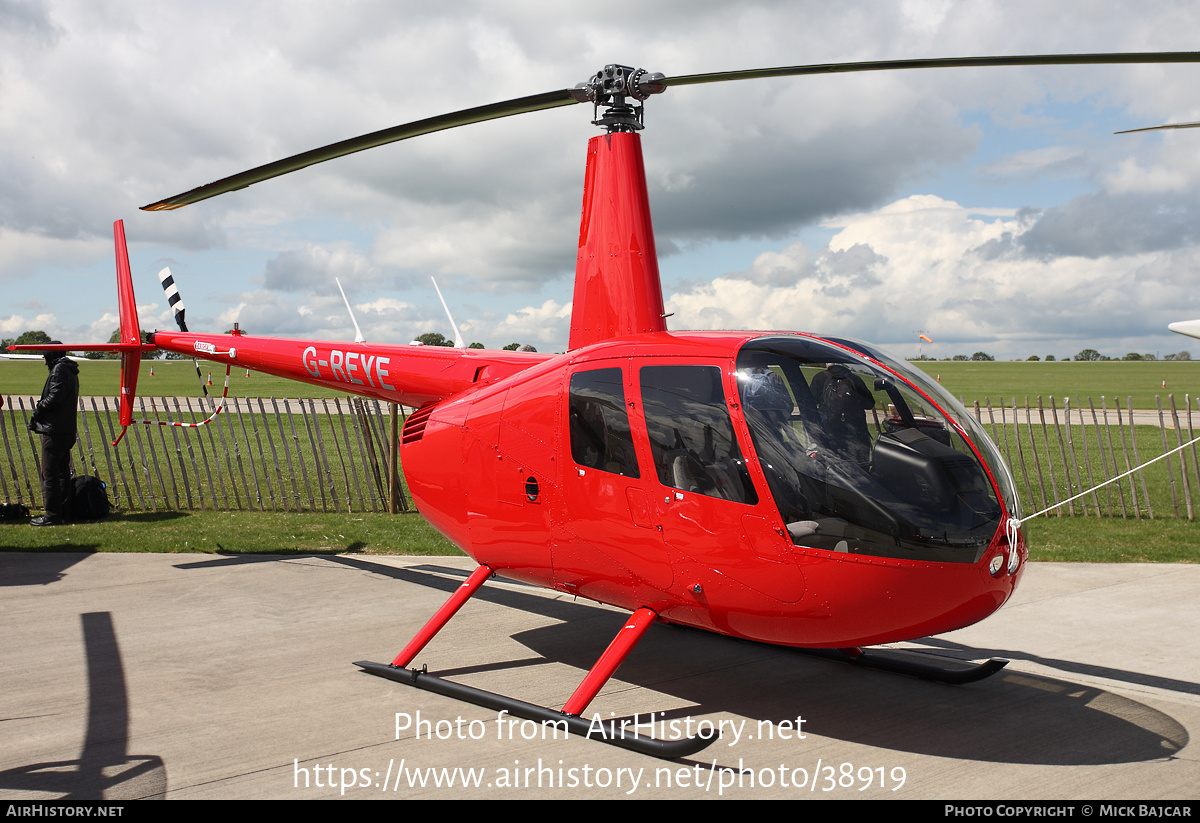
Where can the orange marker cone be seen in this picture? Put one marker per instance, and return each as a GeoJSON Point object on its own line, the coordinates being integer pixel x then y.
{"type": "Point", "coordinates": [210, 378]}
{"type": "Point", "coordinates": [151, 371]}
{"type": "Point", "coordinates": [247, 372]}
{"type": "Point", "coordinates": [1164, 384]}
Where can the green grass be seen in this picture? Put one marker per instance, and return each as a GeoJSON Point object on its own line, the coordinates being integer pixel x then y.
{"type": "Point", "coordinates": [236, 533]}
{"type": "Point", "coordinates": [1105, 540]}
{"type": "Point", "coordinates": [999, 380]}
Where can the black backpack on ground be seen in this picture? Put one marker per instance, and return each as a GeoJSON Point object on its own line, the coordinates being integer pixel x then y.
{"type": "Point", "coordinates": [91, 500]}
{"type": "Point", "coordinates": [13, 513]}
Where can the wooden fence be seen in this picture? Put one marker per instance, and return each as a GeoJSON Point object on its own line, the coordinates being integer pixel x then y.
{"type": "Point", "coordinates": [331, 455]}
{"type": "Point", "coordinates": [260, 455]}
{"type": "Point", "coordinates": [1058, 450]}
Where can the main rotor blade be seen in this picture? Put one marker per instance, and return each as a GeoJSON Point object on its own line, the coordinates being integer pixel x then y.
{"type": "Point", "coordinates": [939, 63]}
{"type": "Point", "coordinates": [1156, 128]}
{"type": "Point", "coordinates": [566, 97]}
{"type": "Point", "coordinates": [493, 111]}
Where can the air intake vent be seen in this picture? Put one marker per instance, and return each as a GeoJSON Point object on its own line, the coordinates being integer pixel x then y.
{"type": "Point", "coordinates": [414, 426]}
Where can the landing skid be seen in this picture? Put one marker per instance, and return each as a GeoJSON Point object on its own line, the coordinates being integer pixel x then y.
{"type": "Point", "coordinates": [610, 732]}
{"type": "Point", "coordinates": [955, 676]}
{"type": "Point", "coordinates": [569, 719]}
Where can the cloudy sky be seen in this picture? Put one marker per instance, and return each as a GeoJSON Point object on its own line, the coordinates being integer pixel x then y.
{"type": "Point", "coordinates": [989, 208]}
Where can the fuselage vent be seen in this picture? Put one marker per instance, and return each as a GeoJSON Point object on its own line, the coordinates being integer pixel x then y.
{"type": "Point", "coordinates": [414, 426]}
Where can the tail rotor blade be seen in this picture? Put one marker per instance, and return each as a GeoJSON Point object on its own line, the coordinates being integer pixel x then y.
{"type": "Point", "coordinates": [173, 298]}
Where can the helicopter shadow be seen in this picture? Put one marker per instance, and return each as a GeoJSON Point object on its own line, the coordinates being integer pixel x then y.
{"type": "Point", "coordinates": [103, 771]}
{"type": "Point", "coordinates": [1012, 717]}
{"type": "Point", "coordinates": [1089, 670]}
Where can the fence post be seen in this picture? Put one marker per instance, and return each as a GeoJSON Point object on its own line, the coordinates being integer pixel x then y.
{"type": "Point", "coordinates": [212, 489]}
{"type": "Point", "coordinates": [262, 455]}
{"type": "Point", "coordinates": [1037, 463]}
{"type": "Point", "coordinates": [12, 466]}
{"type": "Point", "coordinates": [187, 485]}
{"type": "Point", "coordinates": [1187, 492]}
{"type": "Point", "coordinates": [338, 448]}
{"type": "Point", "coordinates": [287, 453]}
{"type": "Point", "coordinates": [1087, 460]}
{"type": "Point", "coordinates": [1137, 459]}
{"type": "Point", "coordinates": [1072, 468]}
{"type": "Point", "coordinates": [362, 501]}
{"type": "Point", "coordinates": [166, 456]}
{"type": "Point", "coordinates": [312, 444]}
{"type": "Point", "coordinates": [1187, 402]}
{"type": "Point", "coordinates": [1050, 455]}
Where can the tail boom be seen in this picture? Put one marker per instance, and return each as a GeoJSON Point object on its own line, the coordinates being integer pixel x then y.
{"type": "Point", "coordinates": [409, 375]}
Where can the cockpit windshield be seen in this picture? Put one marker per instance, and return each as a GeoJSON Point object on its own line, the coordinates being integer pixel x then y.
{"type": "Point", "coordinates": [860, 461]}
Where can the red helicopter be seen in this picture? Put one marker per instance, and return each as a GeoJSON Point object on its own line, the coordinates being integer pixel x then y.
{"type": "Point", "coordinates": [776, 486]}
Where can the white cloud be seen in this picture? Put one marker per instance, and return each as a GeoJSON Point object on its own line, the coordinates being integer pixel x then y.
{"type": "Point", "coordinates": [15, 324]}
{"type": "Point", "coordinates": [925, 263]}
{"type": "Point", "coordinates": [546, 326]}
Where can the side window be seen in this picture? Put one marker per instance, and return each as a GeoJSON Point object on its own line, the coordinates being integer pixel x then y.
{"type": "Point", "coordinates": [600, 436]}
{"type": "Point", "coordinates": [691, 435]}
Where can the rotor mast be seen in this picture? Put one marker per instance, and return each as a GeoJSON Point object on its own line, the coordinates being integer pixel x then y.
{"type": "Point", "coordinates": [617, 287]}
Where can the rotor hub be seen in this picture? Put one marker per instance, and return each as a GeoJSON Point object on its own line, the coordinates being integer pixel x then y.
{"type": "Point", "coordinates": [610, 87]}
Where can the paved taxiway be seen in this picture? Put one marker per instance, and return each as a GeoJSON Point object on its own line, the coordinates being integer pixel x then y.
{"type": "Point", "coordinates": [203, 676]}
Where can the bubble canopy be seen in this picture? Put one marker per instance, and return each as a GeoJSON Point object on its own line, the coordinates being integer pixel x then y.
{"type": "Point", "coordinates": [864, 454]}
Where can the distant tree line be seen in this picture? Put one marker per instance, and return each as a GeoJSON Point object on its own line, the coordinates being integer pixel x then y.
{"type": "Point", "coordinates": [979, 356]}
{"type": "Point", "coordinates": [432, 338]}
{"type": "Point", "coordinates": [1092, 354]}
{"type": "Point", "coordinates": [29, 338]}
{"type": "Point", "coordinates": [1084, 356]}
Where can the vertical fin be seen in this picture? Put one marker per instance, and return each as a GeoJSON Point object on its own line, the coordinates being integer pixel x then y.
{"type": "Point", "coordinates": [130, 333]}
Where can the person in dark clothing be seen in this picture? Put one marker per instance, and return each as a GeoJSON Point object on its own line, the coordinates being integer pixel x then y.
{"type": "Point", "coordinates": [54, 419]}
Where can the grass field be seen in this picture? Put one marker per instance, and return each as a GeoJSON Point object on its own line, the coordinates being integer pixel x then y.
{"type": "Point", "coordinates": [235, 533]}
{"type": "Point", "coordinates": [998, 379]}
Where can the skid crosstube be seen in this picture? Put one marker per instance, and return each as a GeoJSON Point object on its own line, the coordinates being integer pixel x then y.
{"type": "Point", "coordinates": [570, 718]}
{"type": "Point", "coordinates": [608, 732]}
